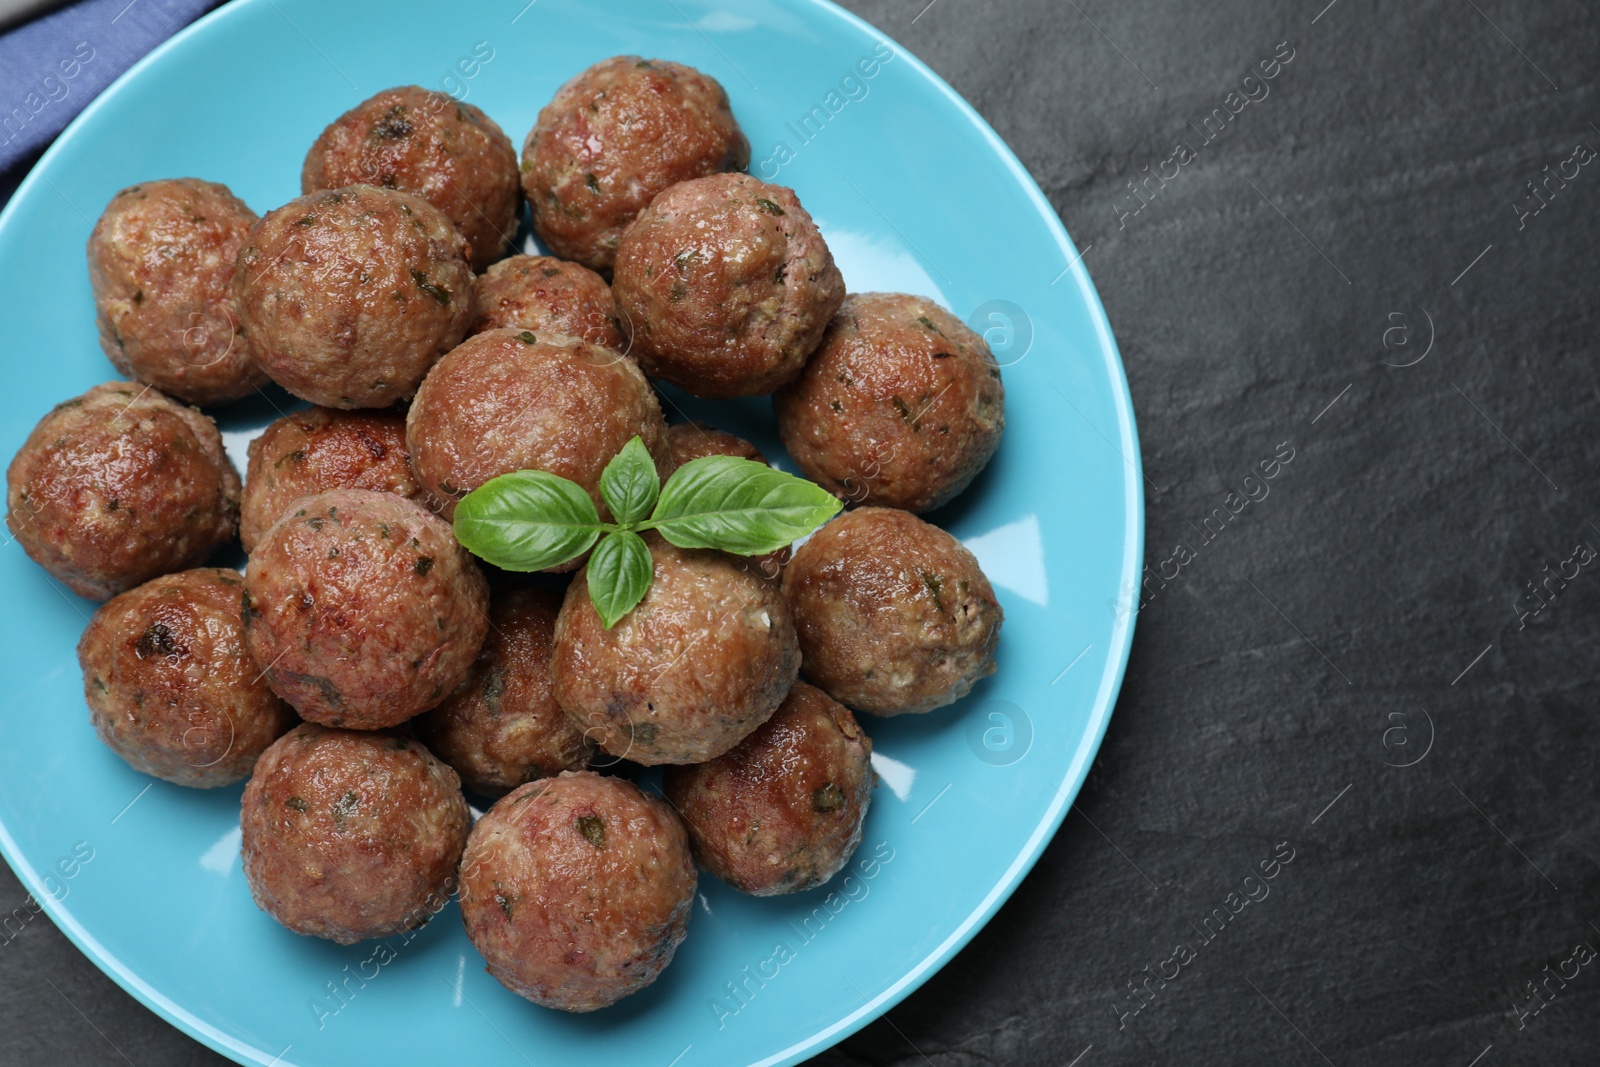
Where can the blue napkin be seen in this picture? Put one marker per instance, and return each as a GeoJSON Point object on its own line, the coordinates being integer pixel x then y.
{"type": "Point", "coordinates": [52, 67]}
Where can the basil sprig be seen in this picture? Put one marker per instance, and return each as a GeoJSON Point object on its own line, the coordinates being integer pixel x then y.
{"type": "Point", "coordinates": [535, 520]}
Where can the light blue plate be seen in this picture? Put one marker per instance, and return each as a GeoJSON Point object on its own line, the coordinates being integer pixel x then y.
{"type": "Point", "coordinates": [915, 193]}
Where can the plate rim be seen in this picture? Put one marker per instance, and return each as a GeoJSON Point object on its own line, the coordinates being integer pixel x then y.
{"type": "Point", "coordinates": [1067, 790]}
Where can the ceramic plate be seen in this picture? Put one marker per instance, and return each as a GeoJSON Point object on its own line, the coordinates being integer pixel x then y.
{"type": "Point", "coordinates": [914, 193]}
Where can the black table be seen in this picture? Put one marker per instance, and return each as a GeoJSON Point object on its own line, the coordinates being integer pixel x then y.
{"type": "Point", "coordinates": [1376, 676]}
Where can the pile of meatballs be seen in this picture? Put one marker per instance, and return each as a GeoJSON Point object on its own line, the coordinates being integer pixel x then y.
{"type": "Point", "coordinates": [364, 672]}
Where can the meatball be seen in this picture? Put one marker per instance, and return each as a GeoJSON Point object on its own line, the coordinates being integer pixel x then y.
{"type": "Point", "coordinates": [362, 610]}
{"type": "Point", "coordinates": [783, 811]}
{"type": "Point", "coordinates": [577, 890]}
{"type": "Point", "coordinates": [727, 285]}
{"type": "Point", "coordinates": [547, 295]}
{"type": "Point", "coordinates": [169, 685]}
{"type": "Point", "coordinates": [501, 727]}
{"type": "Point", "coordinates": [350, 835]}
{"type": "Point", "coordinates": [119, 485]}
{"type": "Point", "coordinates": [901, 407]}
{"type": "Point", "coordinates": [318, 449]}
{"type": "Point", "coordinates": [703, 660]}
{"type": "Point", "coordinates": [894, 615]}
{"type": "Point", "coordinates": [430, 145]}
{"type": "Point", "coordinates": [161, 262]}
{"type": "Point", "coordinates": [614, 137]}
{"type": "Point", "coordinates": [349, 296]}
{"type": "Point", "coordinates": [695, 440]}
{"type": "Point", "coordinates": [510, 400]}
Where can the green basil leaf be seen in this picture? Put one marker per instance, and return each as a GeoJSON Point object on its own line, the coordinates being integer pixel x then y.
{"type": "Point", "coordinates": [739, 506]}
{"type": "Point", "coordinates": [629, 485]}
{"type": "Point", "coordinates": [527, 521]}
{"type": "Point", "coordinates": [619, 574]}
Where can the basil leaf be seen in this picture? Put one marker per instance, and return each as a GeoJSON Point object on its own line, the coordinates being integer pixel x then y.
{"type": "Point", "coordinates": [629, 485]}
{"type": "Point", "coordinates": [619, 574]}
{"type": "Point", "coordinates": [739, 506]}
{"type": "Point", "coordinates": [527, 521]}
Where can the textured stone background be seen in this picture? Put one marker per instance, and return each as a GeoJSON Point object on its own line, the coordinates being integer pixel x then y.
{"type": "Point", "coordinates": [1359, 617]}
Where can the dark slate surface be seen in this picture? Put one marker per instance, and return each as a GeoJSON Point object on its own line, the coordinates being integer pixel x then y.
{"type": "Point", "coordinates": [1371, 610]}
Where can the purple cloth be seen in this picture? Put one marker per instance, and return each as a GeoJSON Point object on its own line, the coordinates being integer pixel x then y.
{"type": "Point", "coordinates": [52, 67]}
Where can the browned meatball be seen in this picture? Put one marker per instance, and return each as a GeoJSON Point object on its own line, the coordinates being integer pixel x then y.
{"type": "Point", "coordinates": [161, 261]}
{"type": "Point", "coordinates": [704, 659]}
{"type": "Point", "coordinates": [349, 296]}
{"type": "Point", "coordinates": [119, 485]}
{"type": "Point", "coordinates": [501, 727]}
{"type": "Point", "coordinates": [615, 136]}
{"type": "Point", "coordinates": [512, 400]}
{"type": "Point", "coordinates": [577, 890]}
{"type": "Point", "coordinates": [350, 835]}
{"type": "Point", "coordinates": [362, 609]}
{"type": "Point", "coordinates": [727, 285]}
{"type": "Point", "coordinates": [894, 615]}
{"type": "Point", "coordinates": [902, 405]}
{"type": "Point", "coordinates": [312, 451]}
{"type": "Point", "coordinates": [547, 295]}
{"type": "Point", "coordinates": [783, 810]}
{"type": "Point", "coordinates": [695, 440]}
{"type": "Point", "coordinates": [430, 145]}
{"type": "Point", "coordinates": [169, 685]}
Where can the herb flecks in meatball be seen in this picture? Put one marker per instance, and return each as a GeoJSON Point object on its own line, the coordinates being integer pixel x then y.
{"type": "Point", "coordinates": [362, 610]}
{"type": "Point", "coordinates": [727, 285]}
{"type": "Point", "coordinates": [169, 685]}
{"type": "Point", "coordinates": [901, 406]}
{"type": "Point", "coordinates": [349, 296]}
{"type": "Point", "coordinates": [447, 152]}
{"type": "Point", "coordinates": [699, 663]}
{"type": "Point", "coordinates": [782, 811]}
{"type": "Point", "coordinates": [161, 263]}
{"type": "Point", "coordinates": [548, 295]}
{"type": "Point", "coordinates": [120, 485]}
{"type": "Point", "coordinates": [577, 890]}
{"type": "Point", "coordinates": [501, 726]}
{"type": "Point", "coordinates": [352, 835]}
{"type": "Point", "coordinates": [894, 615]}
{"type": "Point", "coordinates": [511, 399]}
{"type": "Point", "coordinates": [318, 449]}
{"type": "Point", "coordinates": [615, 137]}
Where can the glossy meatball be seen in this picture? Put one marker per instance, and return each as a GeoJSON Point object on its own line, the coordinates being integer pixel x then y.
{"type": "Point", "coordinates": [614, 137]}
{"type": "Point", "coordinates": [318, 449]}
{"type": "Point", "coordinates": [161, 263]}
{"type": "Point", "coordinates": [501, 727]}
{"type": "Point", "coordinates": [894, 615]}
{"type": "Point", "coordinates": [704, 659]}
{"type": "Point", "coordinates": [577, 890]}
{"type": "Point", "coordinates": [169, 685]}
{"type": "Point", "coordinates": [901, 407]}
{"type": "Point", "coordinates": [694, 440]}
{"type": "Point", "coordinates": [727, 284]}
{"type": "Point", "coordinates": [362, 610]}
{"type": "Point", "coordinates": [350, 835]}
{"type": "Point", "coordinates": [512, 400]}
{"type": "Point", "coordinates": [783, 810]}
{"type": "Point", "coordinates": [119, 485]}
{"type": "Point", "coordinates": [349, 296]}
{"type": "Point", "coordinates": [430, 145]}
{"type": "Point", "coordinates": [547, 295]}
